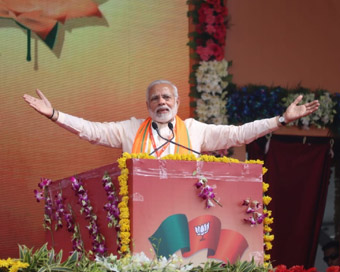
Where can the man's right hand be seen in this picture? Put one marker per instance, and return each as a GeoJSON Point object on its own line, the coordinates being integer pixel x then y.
{"type": "Point", "coordinates": [41, 104]}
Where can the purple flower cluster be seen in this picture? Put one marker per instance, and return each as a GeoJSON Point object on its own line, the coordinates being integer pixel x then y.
{"type": "Point", "coordinates": [43, 195]}
{"type": "Point", "coordinates": [206, 192]}
{"type": "Point", "coordinates": [111, 206]}
{"type": "Point", "coordinates": [252, 210]}
{"type": "Point", "coordinates": [98, 240]}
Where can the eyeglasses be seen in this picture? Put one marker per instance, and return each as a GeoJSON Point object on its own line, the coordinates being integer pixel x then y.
{"type": "Point", "coordinates": [331, 257]}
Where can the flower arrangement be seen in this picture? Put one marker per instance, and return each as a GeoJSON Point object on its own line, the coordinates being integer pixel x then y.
{"type": "Point", "coordinates": [98, 240]}
{"type": "Point", "coordinates": [206, 192]}
{"type": "Point", "coordinates": [124, 215]}
{"type": "Point", "coordinates": [218, 101]}
{"type": "Point", "coordinates": [12, 265]}
{"type": "Point", "coordinates": [43, 259]}
{"type": "Point", "coordinates": [210, 76]}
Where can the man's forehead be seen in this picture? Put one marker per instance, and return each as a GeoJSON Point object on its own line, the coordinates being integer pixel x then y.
{"type": "Point", "coordinates": [161, 89]}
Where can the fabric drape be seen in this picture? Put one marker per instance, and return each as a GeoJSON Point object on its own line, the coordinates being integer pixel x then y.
{"type": "Point", "coordinates": [298, 174]}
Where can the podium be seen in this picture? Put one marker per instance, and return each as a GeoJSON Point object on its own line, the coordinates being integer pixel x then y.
{"type": "Point", "coordinates": [166, 214]}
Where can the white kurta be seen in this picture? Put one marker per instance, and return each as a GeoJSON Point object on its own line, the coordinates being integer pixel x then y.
{"type": "Point", "coordinates": [203, 137]}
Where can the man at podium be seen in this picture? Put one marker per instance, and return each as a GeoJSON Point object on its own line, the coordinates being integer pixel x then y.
{"type": "Point", "coordinates": [164, 132]}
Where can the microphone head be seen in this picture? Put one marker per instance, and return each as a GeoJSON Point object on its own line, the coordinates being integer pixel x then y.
{"type": "Point", "coordinates": [171, 126]}
{"type": "Point", "coordinates": [154, 125]}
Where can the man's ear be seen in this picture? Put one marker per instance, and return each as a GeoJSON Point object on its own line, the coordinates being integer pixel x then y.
{"type": "Point", "coordinates": [178, 101]}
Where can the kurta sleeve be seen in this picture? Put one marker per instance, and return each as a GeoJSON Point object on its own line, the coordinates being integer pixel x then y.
{"type": "Point", "coordinates": [113, 134]}
{"type": "Point", "coordinates": [209, 137]}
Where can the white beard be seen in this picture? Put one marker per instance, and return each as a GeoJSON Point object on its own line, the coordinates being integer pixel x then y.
{"type": "Point", "coordinates": [163, 117]}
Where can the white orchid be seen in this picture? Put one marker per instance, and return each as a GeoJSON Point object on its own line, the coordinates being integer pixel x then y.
{"type": "Point", "coordinates": [211, 78]}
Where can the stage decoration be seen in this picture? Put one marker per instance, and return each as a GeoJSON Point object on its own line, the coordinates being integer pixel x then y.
{"type": "Point", "coordinates": [212, 80]}
{"type": "Point", "coordinates": [123, 233]}
{"type": "Point", "coordinates": [254, 217]}
{"type": "Point", "coordinates": [42, 17]}
{"type": "Point", "coordinates": [98, 240]}
{"type": "Point", "coordinates": [112, 205]}
{"type": "Point", "coordinates": [245, 103]}
{"type": "Point", "coordinates": [206, 192]}
{"type": "Point", "coordinates": [12, 265]}
{"type": "Point", "coordinates": [209, 76]}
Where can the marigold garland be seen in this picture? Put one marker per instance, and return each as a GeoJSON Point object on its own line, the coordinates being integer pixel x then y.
{"type": "Point", "coordinates": [124, 234]}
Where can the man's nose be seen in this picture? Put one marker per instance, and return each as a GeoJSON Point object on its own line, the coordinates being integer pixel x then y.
{"type": "Point", "coordinates": [161, 101]}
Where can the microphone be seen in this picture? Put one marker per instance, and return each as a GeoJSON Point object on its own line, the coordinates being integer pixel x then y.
{"type": "Point", "coordinates": [171, 127]}
{"type": "Point", "coordinates": [155, 127]}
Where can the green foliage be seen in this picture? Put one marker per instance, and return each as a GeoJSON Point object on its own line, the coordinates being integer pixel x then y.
{"type": "Point", "coordinates": [43, 259]}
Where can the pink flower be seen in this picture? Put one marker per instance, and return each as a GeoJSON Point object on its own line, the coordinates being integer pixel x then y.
{"type": "Point", "coordinates": [204, 52]}
{"type": "Point", "coordinates": [38, 195]}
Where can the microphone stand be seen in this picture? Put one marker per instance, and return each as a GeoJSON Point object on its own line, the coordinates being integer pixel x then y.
{"type": "Point", "coordinates": [154, 125]}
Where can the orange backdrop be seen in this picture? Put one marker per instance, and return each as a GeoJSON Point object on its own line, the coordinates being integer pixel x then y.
{"type": "Point", "coordinates": [99, 70]}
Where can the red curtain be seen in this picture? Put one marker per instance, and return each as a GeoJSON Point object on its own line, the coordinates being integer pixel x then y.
{"type": "Point", "coordinates": [298, 174]}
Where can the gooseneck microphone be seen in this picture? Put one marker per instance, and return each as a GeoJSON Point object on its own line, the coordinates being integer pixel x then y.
{"type": "Point", "coordinates": [171, 127]}
{"type": "Point", "coordinates": [155, 127]}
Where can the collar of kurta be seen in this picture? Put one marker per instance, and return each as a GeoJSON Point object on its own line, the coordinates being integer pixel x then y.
{"type": "Point", "coordinates": [143, 138]}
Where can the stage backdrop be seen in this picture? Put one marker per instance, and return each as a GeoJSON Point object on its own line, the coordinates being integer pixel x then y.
{"type": "Point", "coordinates": [99, 70]}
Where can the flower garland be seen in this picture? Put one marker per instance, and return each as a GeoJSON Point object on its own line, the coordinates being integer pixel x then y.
{"type": "Point", "coordinates": [210, 76]}
{"type": "Point", "coordinates": [98, 240]}
{"type": "Point", "coordinates": [123, 233]}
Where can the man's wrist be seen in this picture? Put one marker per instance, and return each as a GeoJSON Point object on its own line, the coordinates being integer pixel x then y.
{"type": "Point", "coordinates": [282, 120]}
{"type": "Point", "coordinates": [54, 116]}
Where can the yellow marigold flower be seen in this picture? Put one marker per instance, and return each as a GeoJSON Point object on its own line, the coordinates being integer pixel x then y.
{"type": "Point", "coordinates": [124, 209]}
{"type": "Point", "coordinates": [124, 248]}
{"type": "Point", "coordinates": [124, 191]}
{"type": "Point", "coordinates": [124, 235]}
{"type": "Point", "coordinates": [122, 204]}
{"type": "Point", "coordinates": [266, 200]}
{"type": "Point", "coordinates": [267, 228]}
{"type": "Point", "coordinates": [265, 186]}
{"type": "Point", "coordinates": [266, 264]}
{"type": "Point", "coordinates": [124, 215]}
{"type": "Point", "coordinates": [268, 238]}
{"type": "Point", "coordinates": [125, 199]}
{"type": "Point", "coordinates": [268, 245]}
{"type": "Point", "coordinates": [124, 222]}
{"type": "Point", "coordinates": [264, 170]}
{"type": "Point", "coordinates": [127, 155]}
{"type": "Point", "coordinates": [266, 257]}
{"type": "Point", "coordinates": [268, 212]}
{"type": "Point", "coordinates": [125, 241]}
{"type": "Point", "coordinates": [268, 220]}
{"type": "Point", "coordinates": [125, 227]}
{"type": "Point", "coordinates": [124, 172]}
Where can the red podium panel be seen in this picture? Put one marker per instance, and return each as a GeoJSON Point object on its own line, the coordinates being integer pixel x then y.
{"type": "Point", "coordinates": [167, 215]}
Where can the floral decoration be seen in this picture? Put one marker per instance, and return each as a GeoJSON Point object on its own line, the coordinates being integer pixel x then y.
{"type": "Point", "coordinates": [12, 265]}
{"type": "Point", "coordinates": [112, 205]}
{"type": "Point", "coordinates": [123, 233]}
{"type": "Point", "coordinates": [56, 211]}
{"type": "Point", "coordinates": [212, 80]}
{"type": "Point", "coordinates": [98, 240]}
{"type": "Point", "coordinates": [209, 75]}
{"type": "Point", "coordinates": [209, 18]}
{"type": "Point", "coordinates": [254, 217]}
{"type": "Point", "coordinates": [43, 195]}
{"type": "Point", "coordinates": [206, 192]}
{"type": "Point", "coordinates": [237, 105]}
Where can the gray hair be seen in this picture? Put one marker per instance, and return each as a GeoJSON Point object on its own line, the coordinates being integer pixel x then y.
{"type": "Point", "coordinates": [161, 81]}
